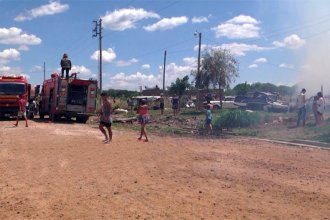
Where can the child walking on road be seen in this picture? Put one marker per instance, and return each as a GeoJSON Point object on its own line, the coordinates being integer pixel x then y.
{"type": "Point", "coordinates": [143, 118]}
{"type": "Point", "coordinates": [208, 120]}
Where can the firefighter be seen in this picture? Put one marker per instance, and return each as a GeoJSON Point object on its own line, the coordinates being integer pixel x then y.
{"type": "Point", "coordinates": [65, 65]}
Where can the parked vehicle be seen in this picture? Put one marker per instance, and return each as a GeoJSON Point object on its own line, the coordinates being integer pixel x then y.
{"type": "Point", "coordinates": [152, 101]}
{"type": "Point", "coordinates": [11, 86]}
{"type": "Point", "coordinates": [32, 106]}
{"type": "Point", "coordinates": [227, 103]}
{"type": "Point", "coordinates": [70, 97]}
{"type": "Point", "coordinates": [262, 101]}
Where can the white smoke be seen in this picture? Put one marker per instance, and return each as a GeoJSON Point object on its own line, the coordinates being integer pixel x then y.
{"type": "Point", "coordinates": [316, 71]}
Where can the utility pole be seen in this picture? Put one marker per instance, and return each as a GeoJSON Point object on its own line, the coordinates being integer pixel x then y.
{"type": "Point", "coordinates": [44, 71]}
{"type": "Point", "coordinates": [164, 73]}
{"type": "Point", "coordinates": [98, 32]}
{"type": "Point", "coordinates": [198, 65]}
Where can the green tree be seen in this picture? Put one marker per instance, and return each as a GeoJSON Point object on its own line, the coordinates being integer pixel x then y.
{"type": "Point", "coordinates": [286, 90]}
{"type": "Point", "coordinates": [219, 68]}
{"type": "Point", "coordinates": [242, 88]}
{"type": "Point", "coordinates": [180, 86]}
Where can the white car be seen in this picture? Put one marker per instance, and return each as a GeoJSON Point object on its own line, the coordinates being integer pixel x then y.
{"type": "Point", "coordinates": [227, 102]}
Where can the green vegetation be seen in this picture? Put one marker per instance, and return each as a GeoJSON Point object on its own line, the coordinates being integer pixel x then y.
{"type": "Point", "coordinates": [180, 86]}
{"type": "Point", "coordinates": [236, 119]}
{"type": "Point", "coordinates": [260, 124]}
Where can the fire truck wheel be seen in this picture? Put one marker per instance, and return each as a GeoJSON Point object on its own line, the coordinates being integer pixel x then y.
{"type": "Point", "coordinates": [41, 115]}
{"type": "Point", "coordinates": [82, 119]}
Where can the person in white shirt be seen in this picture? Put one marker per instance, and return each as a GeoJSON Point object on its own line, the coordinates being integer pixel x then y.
{"type": "Point", "coordinates": [320, 107]}
{"type": "Point", "coordinates": [301, 105]}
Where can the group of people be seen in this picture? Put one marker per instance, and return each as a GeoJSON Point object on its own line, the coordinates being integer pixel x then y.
{"type": "Point", "coordinates": [105, 113]}
{"type": "Point", "coordinates": [65, 67]}
{"type": "Point", "coordinates": [318, 108]}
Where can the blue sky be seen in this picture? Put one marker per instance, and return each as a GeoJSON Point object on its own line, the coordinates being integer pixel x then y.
{"type": "Point", "coordinates": [276, 41]}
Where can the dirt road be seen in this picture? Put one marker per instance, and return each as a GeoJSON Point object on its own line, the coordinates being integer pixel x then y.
{"type": "Point", "coordinates": [64, 171]}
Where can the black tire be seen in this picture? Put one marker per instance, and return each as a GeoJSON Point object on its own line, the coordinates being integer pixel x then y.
{"type": "Point", "coordinates": [82, 119]}
{"type": "Point", "coordinates": [30, 115]}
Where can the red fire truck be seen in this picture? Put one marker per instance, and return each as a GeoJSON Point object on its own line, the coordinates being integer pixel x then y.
{"type": "Point", "coordinates": [11, 86]}
{"type": "Point", "coordinates": [68, 98]}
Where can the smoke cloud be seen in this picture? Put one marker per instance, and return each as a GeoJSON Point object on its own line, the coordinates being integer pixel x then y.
{"type": "Point", "coordinates": [316, 70]}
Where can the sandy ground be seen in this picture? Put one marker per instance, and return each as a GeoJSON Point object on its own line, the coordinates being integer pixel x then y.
{"type": "Point", "coordinates": [64, 171]}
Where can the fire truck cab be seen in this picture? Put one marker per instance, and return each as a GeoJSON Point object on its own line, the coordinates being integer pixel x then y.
{"type": "Point", "coordinates": [68, 98]}
{"type": "Point", "coordinates": [11, 86]}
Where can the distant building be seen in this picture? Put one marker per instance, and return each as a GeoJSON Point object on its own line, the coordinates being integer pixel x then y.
{"type": "Point", "coordinates": [156, 91]}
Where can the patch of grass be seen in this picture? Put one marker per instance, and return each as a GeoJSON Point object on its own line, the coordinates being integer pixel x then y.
{"type": "Point", "coordinates": [236, 119]}
{"type": "Point", "coordinates": [325, 135]}
{"type": "Point", "coordinates": [192, 113]}
{"type": "Point", "coordinates": [172, 130]}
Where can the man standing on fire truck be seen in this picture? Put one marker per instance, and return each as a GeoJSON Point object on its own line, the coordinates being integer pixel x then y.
{"type": "Point", "coordinates": [65, 65]}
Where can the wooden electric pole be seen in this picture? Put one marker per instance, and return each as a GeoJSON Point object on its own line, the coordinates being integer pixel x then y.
{"type": "Point", "coordinates": [164, 73]}
{"type": "Point", "coordinates": [98, 32]}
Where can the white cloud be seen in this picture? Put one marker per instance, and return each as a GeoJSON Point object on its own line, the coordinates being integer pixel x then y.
{"type": "Point", "coordinates": [145, 66]}
{"type": "Point", "coordinates": [8, 55]}
{"type": "Point", "coordinates": [200, 19]}
{"type": "Point", "coordinates": [132, 81]}
{"type": "Point", "coordinates": [285, 65]}
{"type": "Point", "coordinates": [107, 55]}
{"type": "Point", "coordinates": [241, 49]}
{"type": "Point", "coordinates": [256, 62]}
{"type": "Point", "coordinates": [127, 62]}
{"type": "Point", "coordinates": [293, 42]}
{"type": "Point", "coordinates": [15, 35]}
{"type": "Point", "coordinates": [253, 66]}
{"type": "Point", "coordinates": [36, 68]}
{"type": "Point", "coordinates": [125, 18]}
{"type": "Point", "coordinates": [203, 47]}
{"type": "Point", "coordinates": [53, 7]}
{"type": "Point", "coordinates": [135, 80]}
{"type": "Point", "coordinates": [23, 48]}
{"type": "Point", "coordinates": [239, 27]}
{"type": "Point", "coordinates": [83, 72]}
{"type": "Point", "coordinates": [243, 19]}
{"type": "Point", "coordinates": [167, 23]}
{"type": "Point", "coordinates": [236, 49]}
{"type": "Point", "coordinates": [174, 71]}
{"type": "Point", "coordinates": [4, 69]}
{"type": "Point", "coordinates": [260, 60]}
{"type": "Point", "coordinates": [190, 61]}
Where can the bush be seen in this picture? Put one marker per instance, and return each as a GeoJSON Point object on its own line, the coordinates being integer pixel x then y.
{"type": "Point", "coordinates": [325, 136]}
{"type": "Point", "coordinates": [236, 119]}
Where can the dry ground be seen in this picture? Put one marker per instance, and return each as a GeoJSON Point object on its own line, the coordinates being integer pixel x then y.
{"type": "Point", "coordinates": [63, 171]}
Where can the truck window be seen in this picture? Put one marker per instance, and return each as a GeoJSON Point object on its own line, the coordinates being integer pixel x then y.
{"type": "Point", "coordinates": [12, 88]}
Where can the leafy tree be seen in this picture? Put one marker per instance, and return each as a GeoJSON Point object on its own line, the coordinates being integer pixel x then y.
{"type": "Point", "coordinates": [219, 68]}
{"type": "Point", "coordinates": [242, 88]}
{"type": "Point", "coordinates": [265, 87]}
{"type": "Point", "coordinates": [286, 90]}
{"type": "Point", "coordinates": [180, 86]}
